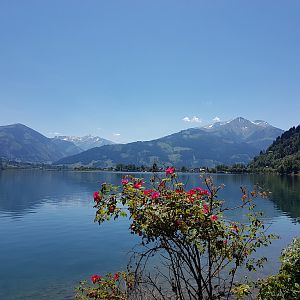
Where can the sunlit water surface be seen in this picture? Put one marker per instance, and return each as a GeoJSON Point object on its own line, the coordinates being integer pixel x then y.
{"type": "Point", "coordinates": [49, 241]}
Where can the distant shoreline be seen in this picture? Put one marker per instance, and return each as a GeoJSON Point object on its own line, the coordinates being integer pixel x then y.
{"type": "Point", "coordinates": [111, 170]}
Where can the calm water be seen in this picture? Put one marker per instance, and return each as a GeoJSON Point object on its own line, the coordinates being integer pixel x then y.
{"type": "Point", "coordinates": [48, 240]}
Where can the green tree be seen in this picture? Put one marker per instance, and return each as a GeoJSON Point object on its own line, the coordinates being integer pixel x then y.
{"type": "Point", "coordinates": [286, 284]}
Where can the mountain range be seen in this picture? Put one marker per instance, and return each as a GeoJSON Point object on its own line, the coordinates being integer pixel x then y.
{"type": "Point", "coordinates": [235, 141]}
{"type": "Point", "coordinates": [21, 143]}
{"type": "Point", "coordinates": [85, 142]}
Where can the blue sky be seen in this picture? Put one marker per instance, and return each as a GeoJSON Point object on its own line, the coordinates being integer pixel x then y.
{"type": "Point", "coordinates": [133, 70]}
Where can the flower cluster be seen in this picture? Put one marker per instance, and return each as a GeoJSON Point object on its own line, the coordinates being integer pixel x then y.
{"type": "Point", "coordinates": [184, 223]}
{"type": "Point", "coordinates": [95, 278]}
{"type": "Point", "coordinates": [166, 204]}
{"type": "Point", "coordinates": [111, 286]}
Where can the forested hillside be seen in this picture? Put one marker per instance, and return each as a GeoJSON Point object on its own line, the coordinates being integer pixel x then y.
{"type": "Point", "coordinates": [283, 156]}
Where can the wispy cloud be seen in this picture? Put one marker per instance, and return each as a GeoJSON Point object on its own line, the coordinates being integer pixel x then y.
{"type": "Point", "coordinates": [216, 119]}
{"type": "Point", "coordinates": [55, 133]}
{"type": "Point", "coordinates": [193, 119]}
{"type": "Point", "coordinates": [116, 134]}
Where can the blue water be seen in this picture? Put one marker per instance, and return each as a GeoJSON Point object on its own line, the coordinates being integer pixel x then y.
{"type": "Point", "coordinates": [49, 241]}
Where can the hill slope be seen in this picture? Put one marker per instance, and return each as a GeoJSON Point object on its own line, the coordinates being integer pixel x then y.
{"type": "Point", "coordinates": [223, 143]}
{"type": "Point", "coordinates": [21, 143]}
{"type": "Point", "coordinates": [282, 156]}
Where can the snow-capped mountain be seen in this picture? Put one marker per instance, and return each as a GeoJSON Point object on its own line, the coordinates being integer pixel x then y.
{"type": "Point", "coordinates": [259, 133]}
{"type": "Point", "coordinates": [235, 141]}
{"type": "Point", "coordinates": [85, 142]}
{"type": "Point", "coordinates": [22, 143]}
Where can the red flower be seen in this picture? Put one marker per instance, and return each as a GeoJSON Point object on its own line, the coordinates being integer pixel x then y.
{"type": "Point", "coordinates": [214, 218]}
{"type": "Point", "coordinates": [116, 276]}
{"type": "Point", "coordinates": [205, 192]}
{"type": "Point", "coordinates": [155, 195]}
{"type": "Point", "coordinates": [97, 197]}
{"type": "Point", "coordinates": [96, 278]}
{"type": "Point", "coordinates": [147, 192]}
{"type": "Point", "coordinates": [225, 242]}
{"type": "Point", "coordinates": [138, 185]}
{"type": "Point", "coordinates": [192, 192]}
{"type": "Point", "coordinates": [170, 171]}
{"type": "Point", "coordinates": [205, 209]}
{"type": "Point", "coordinates": [201, 191]}
{"type": "Point", "coordinates": [124, 181]}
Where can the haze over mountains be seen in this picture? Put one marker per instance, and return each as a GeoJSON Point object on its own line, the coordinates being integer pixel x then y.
{"type": "Point", "coordinates": [235, 141]}
{"type": "Point", "coordinates": [85, 142]}
{"type": "Point", "coordinates": [21, 143]}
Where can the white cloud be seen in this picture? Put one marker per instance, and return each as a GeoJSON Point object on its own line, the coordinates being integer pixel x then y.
{"type": "Point", "coordinates": [116, 134]}
{"type": "Point", "coordinates": [216, 119]}
{"type": "Point", "coordinates": [193, 119]}
{"type": "Point", "coordinates": [55, 133]}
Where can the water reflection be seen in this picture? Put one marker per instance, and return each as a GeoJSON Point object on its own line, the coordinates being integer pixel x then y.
{"type": "Point", "coordinates": [55, 240]}
{"type": "Point", "coordinates": [22, 191]}
{"type": "Point", "coordinates": [285, 193]}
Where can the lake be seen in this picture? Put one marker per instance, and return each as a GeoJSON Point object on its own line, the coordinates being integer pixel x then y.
{"type": "Point", "coordinates": [49, 241]}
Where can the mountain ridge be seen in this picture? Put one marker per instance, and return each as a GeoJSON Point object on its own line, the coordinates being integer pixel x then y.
{"type": "Point", "coordinates": [22, 143]}
{"type": "Point", "coordinates": [85, 142]}
{"type": "Point", "coordinates": [191, 147]}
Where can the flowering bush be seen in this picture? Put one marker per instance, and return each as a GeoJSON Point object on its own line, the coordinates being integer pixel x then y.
{"type": "Point", "coordinates": [199, 249]}
{"type": "Point", "coordinates": [110, 287]}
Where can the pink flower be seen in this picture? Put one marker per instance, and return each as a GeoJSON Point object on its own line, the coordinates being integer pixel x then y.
{"type": "Point", "coordinates": [147, 192]}
{"type": "Point", "coordinates": [192, 192]}
{"type": "Point", "coordinates": [95, 278]}
{"type": "Point", "coordinates": [205, 192]}
{"type": "Point", "coordinates": [124, 181]}
{"type": "Point", "coordinates": [97, 197]}
{"type": "Point", "coordinates": [205, 209]}
{"type": "Point", "coordinates": [170, 171]}
{"type": "Point", "coordinates": [155, 195]}
{"type": "Point", "coordinates": [116, 276]}
{"type": "Point", "coordinates": [202, 192]}
{"type": "Point", "coordinates": [214, 218]}
{"type": "Point", "coordinates": [138, 185]}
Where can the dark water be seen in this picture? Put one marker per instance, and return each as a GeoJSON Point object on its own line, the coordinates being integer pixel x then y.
{"type": "Point", "coordinates": [48, 240]}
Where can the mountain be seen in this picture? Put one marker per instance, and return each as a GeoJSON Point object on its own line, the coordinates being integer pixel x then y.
{"type": "Point", "coordinates": [258, 133]}
{"type": "Point", "coordinates": [21, 143]}
{"type": "Point", "coordinates": [236, 141]}
{"type": "Point", "coordinates": [282, 156]}
{"type": "Point", "coordinates": [86, 142]}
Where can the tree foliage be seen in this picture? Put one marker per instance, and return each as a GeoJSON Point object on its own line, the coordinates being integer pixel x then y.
{"type": "Point", "coordinates": [283, 156]}
{"type": "Point", "coordinates": [189, 249]}
{"type": "Point", "coordinates": [286, 284]}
